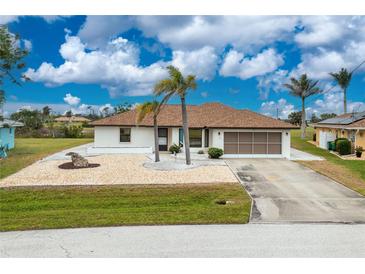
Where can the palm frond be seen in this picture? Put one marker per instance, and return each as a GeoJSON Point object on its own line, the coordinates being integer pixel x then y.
{"type": "Point", "coordinates": [164, 86]}
{"type": "Point", "coordinates": [175, 74]}
{"type": "Point", "coordinates": [143, 110]}
{"type": "Point", "coordinates": [190, 82]}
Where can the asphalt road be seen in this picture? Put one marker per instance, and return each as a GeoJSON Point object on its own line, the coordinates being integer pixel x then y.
{"type": "Point", "coordinates": [251, 240]}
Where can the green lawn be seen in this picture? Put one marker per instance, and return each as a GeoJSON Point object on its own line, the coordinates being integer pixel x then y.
{"type": "Point", "coordinates": [348, 172]}
{"type": "Point", "coordinates": [62, 207]}
{"type": "Point", "coordinates": [29, 150]}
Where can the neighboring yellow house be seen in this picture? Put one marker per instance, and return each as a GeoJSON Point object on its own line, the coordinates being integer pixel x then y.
{"type": "Point", "coordinates": [350, 126]}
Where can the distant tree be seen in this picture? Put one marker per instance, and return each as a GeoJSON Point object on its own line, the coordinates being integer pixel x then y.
{"type": "Point", "coordinates": [11, 56]}
{"type": "Point", "coordinates": [124, 107]}
{"type": "Point", "coordinates": [295, 118]}
{"type": "Point", "coordinates": [314, 118]}
{"type": "Point", "coordinates": [90, 109]}
{"type": "Point", "coordinates": [46, 111]}
{"type": "Point", "coordinates": [303, 88]}
{"type": "Point", "coordinates": [105, 111]}
{"type": "Point", "coordinates": [325, 116]}
{"type": "Point", "coordinates": [68, 113]}
{"type": "Point", "coordinates": [32, 119]}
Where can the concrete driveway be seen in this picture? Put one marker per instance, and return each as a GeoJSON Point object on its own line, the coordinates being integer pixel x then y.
{"type": "Point", "coordinates": [285, 191]}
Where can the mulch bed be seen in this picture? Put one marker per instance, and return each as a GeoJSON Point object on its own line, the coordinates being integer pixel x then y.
{"type": "Point", "coordinates": [69, 165]}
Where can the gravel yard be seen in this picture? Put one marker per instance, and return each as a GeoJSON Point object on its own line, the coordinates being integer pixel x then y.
{"type": "Point", "coordinates": [115, 169]}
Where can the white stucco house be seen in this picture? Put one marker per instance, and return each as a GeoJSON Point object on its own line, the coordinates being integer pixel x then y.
{"type": "Point", "coordinates": [240, 133]}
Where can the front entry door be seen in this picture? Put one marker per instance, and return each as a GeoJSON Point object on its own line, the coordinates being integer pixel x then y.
{"type": "Point", "coordinates": [162, 139]}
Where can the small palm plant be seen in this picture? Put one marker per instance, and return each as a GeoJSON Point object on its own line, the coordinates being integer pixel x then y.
{"type": "Point", "coordinates": [177, 84]}
{"type": "Point", "coordinates": [152, 108]}
{"type": "Point", "coordinates": [343, 79]}
{"type": "Point", "coordinates": [303, 88]}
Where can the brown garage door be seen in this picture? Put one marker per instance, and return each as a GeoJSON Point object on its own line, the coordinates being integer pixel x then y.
{"type": "Point", "coordinates": [252, 142]}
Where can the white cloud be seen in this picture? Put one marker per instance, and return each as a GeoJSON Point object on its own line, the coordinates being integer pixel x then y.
{"type": "Point", "coordinates": [115, 67]}
{"type": "Point", "coordinates": [73, 49]}
{"type": "Point", "coordinates": [98, 30]}
{"type": "Point", "coordinates": [204, 94]}
{"type": "Point", "coordinates": [193, 32]}
{"type": "Point", "coordinates": [6, 19]}
{"type": "Point", "coordinates": [330, 43]}
{"type": "Point", "coordinates": [71, 100]}
{"type": "Point", "coordinates": [235, 64]}
{"type": "Point", "coordinates": [281, 108]}
{"type": "Point", "coordinates": [201, 62]}
{"type": "Point", "coordinates": [272, 82]}
{"type": "Point", "coordinates": [320, 30]}
{"type": "Point", "coordinates": [318, 65]}
{"type": "Point", "coordinates": [27, 44]}
{"type": "Point", "coordinates": [332, 102]}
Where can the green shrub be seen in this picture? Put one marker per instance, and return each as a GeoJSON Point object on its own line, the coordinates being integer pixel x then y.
{"type": "Point", "coordinates": [201, 151]}
{"type": "Point", "coordinates": [175, 148]}
{"type": "Point", "coordinates": [339, 139]}
{"type": "Point", "coordinates": [215, 152]}
{"type": "Point", "coordinates": [343, 147]}
{"type": "Point", "coordinates": [72, 131]}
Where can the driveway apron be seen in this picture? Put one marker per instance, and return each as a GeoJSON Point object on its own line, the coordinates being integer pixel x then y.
{"type": "Point", "coordinates": [284, 191]}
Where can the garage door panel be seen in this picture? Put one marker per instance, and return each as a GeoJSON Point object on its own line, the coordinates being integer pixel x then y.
{"type": "Point", "coordinates": [231, 137]}
{"type": "Point", "coordinates": [274, 137]}
{"type": "Point", "coordinates": [259, 149]}
{"type": "Point", "coordinates": [260, 137]}
{"type": "Point", "coordinates": [245, 137]}
{"type": "Point", "coordinates": [274, 149]}
{"type": "Point", "coordinates": [231, 148]}
{"type": "Point", "coordinates": [245, 148]}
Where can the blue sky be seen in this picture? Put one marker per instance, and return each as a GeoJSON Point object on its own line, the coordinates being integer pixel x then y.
{"type": "Point", "coordinates": [242, 61]}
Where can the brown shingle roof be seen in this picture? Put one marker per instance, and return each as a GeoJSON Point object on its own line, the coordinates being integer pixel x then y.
{"type": "Point", "coordinates": [210, 115]}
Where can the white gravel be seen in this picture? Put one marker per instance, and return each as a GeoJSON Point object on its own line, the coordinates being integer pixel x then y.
{"type": "Point", "coordinates": [115, 169]}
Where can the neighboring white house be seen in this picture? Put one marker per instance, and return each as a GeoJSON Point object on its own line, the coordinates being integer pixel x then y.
{"type": "Point", "coordinates": [240, 133]}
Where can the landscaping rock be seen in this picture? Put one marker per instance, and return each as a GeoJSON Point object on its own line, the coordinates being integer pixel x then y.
{"type": "Point", "coordinates": [78, 160]}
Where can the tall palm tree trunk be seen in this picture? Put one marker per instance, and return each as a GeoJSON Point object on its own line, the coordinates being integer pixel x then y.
{"type": "Point", "coordinates": [155, 129]}
{"type": "Point", "coordinates": [303, 126]}
{"type": "Point", "coordinates": [186, 130]}
{"type": "Point", "coordinates": [344, 101]}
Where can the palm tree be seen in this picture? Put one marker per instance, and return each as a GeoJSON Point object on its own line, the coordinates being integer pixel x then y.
{"type": "Point", "coordinates": [303, 88]}
{"type": "Point", "coordinates": [177, 84]}
{"type": "Point", "coordinates": [2, 102]}
{"type": "Point", "coordinates": [153, 108]}
{"type": "Point", "coordinates": [46, 111]}
{"type": "Point", "coordinates": [343, 79]}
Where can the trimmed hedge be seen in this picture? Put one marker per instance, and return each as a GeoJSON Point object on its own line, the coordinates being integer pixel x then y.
{"type": "Point", "coordinates": [215, 152]}
{"type": "Point", "coordinates": [343, 147]}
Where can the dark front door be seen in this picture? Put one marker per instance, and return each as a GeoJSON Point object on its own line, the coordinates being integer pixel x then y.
{"type": "Point", "coordinates": [162, 139]}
